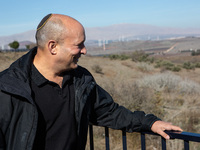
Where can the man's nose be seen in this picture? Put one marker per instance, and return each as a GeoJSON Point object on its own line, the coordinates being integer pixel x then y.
{"type": "Point", "coordinates": [83, 50]}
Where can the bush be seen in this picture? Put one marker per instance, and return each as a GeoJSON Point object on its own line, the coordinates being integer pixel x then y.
{"type": "Point", "coordinates": [188, 66]}
{"type": "Point", "coordinates": [134, 97]}
{"type": "Point", "coordinates": [114, 57]}
{"type": "Point", "coordinates": [176, 69]}
{"type": "Point", "coordinates": [97, 69]}
{"type": "Point", "coordinates": [151, 60]}
{"type": "Point", "coordinates": [144, 67]}
{"type": "Point", "coordinates": [197, 65]}
{"type": "Point", "coordinates": [139, 56]}
{"type": "Point", "coordinates": [195, 53]}
{"type": "Point", "coordinates": [169, 82]}
{"type": "Point", "coordinates": [121, 57]}
{"type": "Point", "coordinates": [167, 65]}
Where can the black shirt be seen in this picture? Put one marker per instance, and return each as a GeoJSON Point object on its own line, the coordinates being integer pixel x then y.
{"type": "Point", "coordinates": [56, 121]}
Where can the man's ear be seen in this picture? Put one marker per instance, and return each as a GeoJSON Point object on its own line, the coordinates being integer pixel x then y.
{"type": "Point", "coordinates": [52, 45]}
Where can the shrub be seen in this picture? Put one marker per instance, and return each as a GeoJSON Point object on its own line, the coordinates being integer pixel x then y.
{"type": "Point", "coordinates": [167, 65]}
{"type": "Point", "coordinates": [114, 57]}
{"type": "Point", "coordinates": [97, 69]}
{"type": "Point", "coordinates": [176, 69]}
{"type": "Point", "coordinates": [158, 64]}
{"type": "Point", "coordinates": [121, 57]}
{"type": "Point", "coordinates": [194, 53]}
{"type": "Point", "coordinates": [124, 57]}
{"type": "Point", "coordinates": [144, 67]}
{"type": "Point", "coordinates": [151, 60]}
{"type": "Point", "coordinates": [139, 56]}
{"type": "Point", "coordinates": [169, 82]}
{"type": "Point", "coordinates": [197, 65]}
{"type": "Point", "coordinates": [188, 65]}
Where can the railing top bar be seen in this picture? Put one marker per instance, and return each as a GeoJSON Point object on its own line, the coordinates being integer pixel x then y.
{"type": "Point", "coordinates": [187, 136]}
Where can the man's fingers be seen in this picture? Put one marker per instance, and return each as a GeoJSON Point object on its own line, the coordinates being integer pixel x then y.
{"type": "Point", "coordinates": [168, 126]}
{"type": "Point", "coordinates": [160, 126]}
{"type": "Point", "coordinates": [163, 134]}
{"type": "Point", "coordinates": [175, 128]}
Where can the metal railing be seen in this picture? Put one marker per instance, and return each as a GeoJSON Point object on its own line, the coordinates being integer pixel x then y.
{"type": "Point", "coordinates": [185, 136]}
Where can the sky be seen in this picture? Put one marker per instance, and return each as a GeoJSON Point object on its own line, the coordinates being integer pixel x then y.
{"type": "Point", "coordinates": [19, 16]}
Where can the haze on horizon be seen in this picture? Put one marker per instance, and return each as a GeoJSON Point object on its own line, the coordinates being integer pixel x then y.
{"type": "Point", "coordinates": [21, 16]}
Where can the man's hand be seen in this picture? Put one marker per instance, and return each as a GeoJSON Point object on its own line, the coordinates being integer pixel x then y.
{"type": "Point", "coordinates": [160, 126]}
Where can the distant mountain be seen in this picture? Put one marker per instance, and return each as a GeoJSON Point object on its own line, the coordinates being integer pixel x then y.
{"type": "Point", "coordinates": [25, 36]}
{"type": "Point", "coordinates": [115, 32]}
{"type": "Point", "coordinates": [134, 31]}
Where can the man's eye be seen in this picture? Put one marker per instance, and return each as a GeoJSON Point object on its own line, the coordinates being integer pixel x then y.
{"type": "Point", "coordinates": [80, 46]}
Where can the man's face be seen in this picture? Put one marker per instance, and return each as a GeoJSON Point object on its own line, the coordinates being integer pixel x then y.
{"type": "Point", "coordinates": [71, 49]}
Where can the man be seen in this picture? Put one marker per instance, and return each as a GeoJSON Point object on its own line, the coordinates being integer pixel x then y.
{"type": "Point", "coordinates": [47, 100]}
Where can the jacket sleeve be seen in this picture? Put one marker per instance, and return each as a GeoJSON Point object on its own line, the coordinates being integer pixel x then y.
{"type": "Point", "coordinates": [108, 113]}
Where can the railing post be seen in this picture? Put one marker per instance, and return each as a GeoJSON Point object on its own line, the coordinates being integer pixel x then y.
{"type": "Point", "coordinates": [186, 145]}
{"type": "Point", "coordinates": [91, 137]}
{"type": "Point", "coordinates": [186, 136]}
{"type": "Point", "coordinates": [107, 138]}
{"type": "Point", "coordinates": [124, 140]}
{"type": "Point", "coordinates": [143, 145]}
{"type": "Point", "coordinates": [163, 143]}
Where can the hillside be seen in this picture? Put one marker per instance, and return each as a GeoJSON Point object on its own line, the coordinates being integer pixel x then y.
{"type": "Point", "coordinates": [173, 96]}
{"type": "Point", "coordinates": [167, 46]}
{"type": "Point", "coordinates": [116, 32]}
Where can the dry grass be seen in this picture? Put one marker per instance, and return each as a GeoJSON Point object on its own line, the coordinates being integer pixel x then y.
{"type": "Point", "coordinates": [6, 58]}
{"type": "Point", "coordinates": [172, 96]}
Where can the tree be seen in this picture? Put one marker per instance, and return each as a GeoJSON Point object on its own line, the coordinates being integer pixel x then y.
{"type": "Point", "coordinates": [14, 45]}
{"type": "Point", "coordinates": [28, 46]}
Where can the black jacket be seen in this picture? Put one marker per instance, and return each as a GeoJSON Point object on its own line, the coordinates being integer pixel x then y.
{"type": "Point", "coordinates": [19, 116]}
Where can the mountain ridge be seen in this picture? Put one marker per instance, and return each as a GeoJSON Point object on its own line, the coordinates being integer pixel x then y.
{"type": "Point", "coordinates": [115, 32]}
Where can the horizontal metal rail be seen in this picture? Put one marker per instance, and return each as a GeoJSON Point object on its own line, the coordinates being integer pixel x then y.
{"type": "Point", "coordinates": [185, 136]}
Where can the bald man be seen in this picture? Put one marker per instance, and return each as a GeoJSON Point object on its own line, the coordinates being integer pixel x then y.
{"type": "Point", "coordinates": [47, 100]}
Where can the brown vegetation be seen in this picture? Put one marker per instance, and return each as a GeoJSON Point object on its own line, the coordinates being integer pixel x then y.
{"type": "Point", "coordinates": [173, 96]}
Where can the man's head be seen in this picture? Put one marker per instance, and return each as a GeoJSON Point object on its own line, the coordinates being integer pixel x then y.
{"type": "Point", "coordinates": [53, 27]}
{"type": "Point", "coordinates": [62, 37]}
